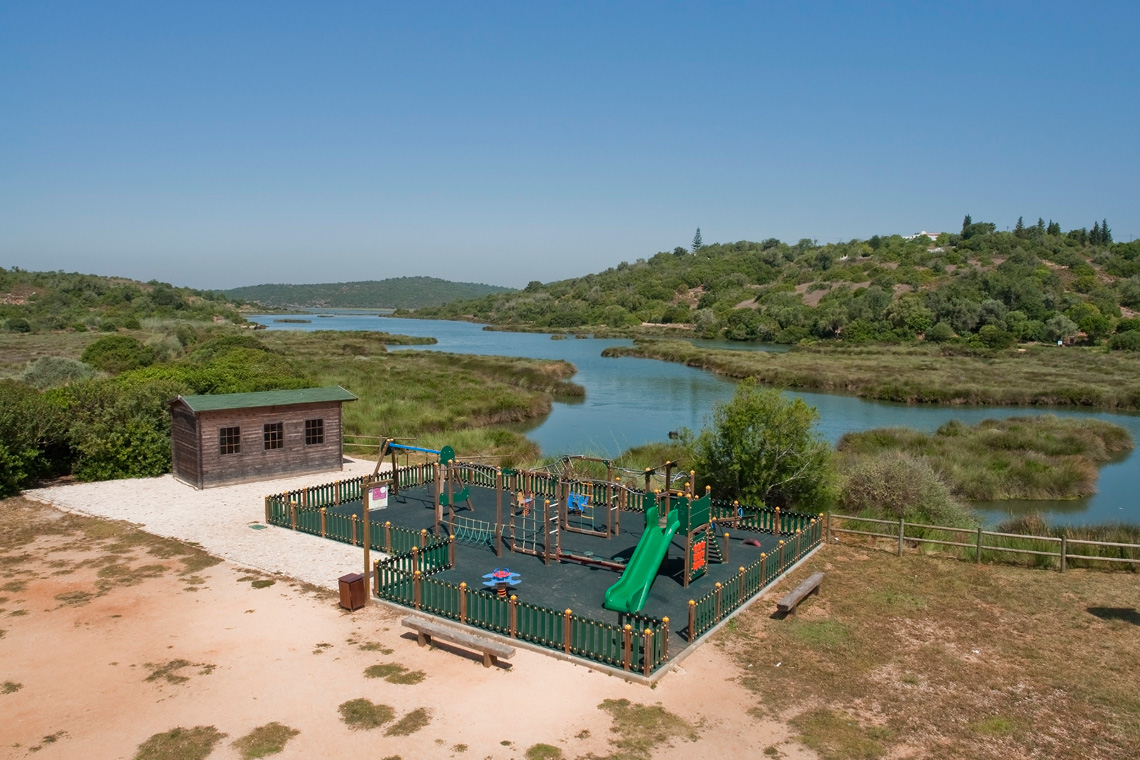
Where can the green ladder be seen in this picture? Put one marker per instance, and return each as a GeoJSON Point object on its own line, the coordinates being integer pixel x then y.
{"type": "Point", "coordinates": [714, 551]}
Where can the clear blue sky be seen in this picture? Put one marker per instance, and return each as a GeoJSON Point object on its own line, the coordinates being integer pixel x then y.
{"type": "Point", "coordinates": [225, 144]}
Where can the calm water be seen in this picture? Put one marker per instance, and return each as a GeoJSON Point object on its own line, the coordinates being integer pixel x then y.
{"type": "Point", "coordinates": [634, 401]}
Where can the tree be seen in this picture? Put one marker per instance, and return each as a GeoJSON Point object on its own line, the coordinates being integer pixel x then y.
{"type": "Point", "coordinates": [1105, 232]}
{"type": "Point", "coordinates": [1060, 327]}
{"type": "Point", "coordinates": [697, 242]}
{"type": "Point", "coordinates": [1019, 228]}
{"type": "Point", "coordinates": [966, 222]}
{"type": "Point", "coordinates": [761, 448]}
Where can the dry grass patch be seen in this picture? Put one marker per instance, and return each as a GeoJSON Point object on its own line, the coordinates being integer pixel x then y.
{"type": "Point", "coordinates": [362, 714]}
{"type": "Point", "coordinates": [394, 673]}
{"type": "Point", "coordinates": [642, 728]}
{"type": "Point", "coordinates": [168, 671]}
{"type": "Point", "coordinates": [180, 744]}
{"type": "Point", "coordinates": [544, 752]}
{"type": "Point", "coordinates": [10, 687]}
{"type": "Point", "coordinates": [410, 723]}
{"type": "Point", "coordinates": [951, 660]}
{"type": "Point", "coordinates": [263, 741]}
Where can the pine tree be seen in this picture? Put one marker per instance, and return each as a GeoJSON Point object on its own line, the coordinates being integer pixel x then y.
{"type": "Point", "coordinates": [1094, 236]}
{"type": "Point", "coordinates": [1053, 229]}
{"type": "Point", "coordinates": [697, 242]}
{"type": "Point", "coordinates": [1019, 230]}
{"type": "Point", "coordinates": [1105, 232]}
{"type": "Point", "coordinates": [966, 222]}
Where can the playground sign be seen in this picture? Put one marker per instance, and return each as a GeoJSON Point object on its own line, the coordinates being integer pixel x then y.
{"type": "Point", "coordinates": [378, 497]}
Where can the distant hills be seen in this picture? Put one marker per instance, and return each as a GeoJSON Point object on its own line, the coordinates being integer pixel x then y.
{"type": "Point", "coordinates": [393, 293]}
{"type": "Point", "coordinates": [978, 286]}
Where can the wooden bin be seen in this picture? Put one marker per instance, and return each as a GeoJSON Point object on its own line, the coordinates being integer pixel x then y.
{"type": "Point", "coordinates": [352, 591]}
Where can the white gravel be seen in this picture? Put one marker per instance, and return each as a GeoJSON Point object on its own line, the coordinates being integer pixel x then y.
{"type": "Point", "coordinates": [219, 520]}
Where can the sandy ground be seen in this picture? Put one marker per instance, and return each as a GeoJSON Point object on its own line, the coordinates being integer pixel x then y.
{"type": "Point", "coordinates": [288, 653]}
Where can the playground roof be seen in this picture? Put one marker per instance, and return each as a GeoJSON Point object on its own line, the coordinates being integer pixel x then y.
{"type": "Point", "coordinates": [220, 401]}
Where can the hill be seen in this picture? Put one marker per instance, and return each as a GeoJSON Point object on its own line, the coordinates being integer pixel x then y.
{"type": "Point", "coordinates": [978, 285]}
{"type": "Point", "coordinates": [393, 293]}
{"type": "Point", "coordinates": [43, 301]}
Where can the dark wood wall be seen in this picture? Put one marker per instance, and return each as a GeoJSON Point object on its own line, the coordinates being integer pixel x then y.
{"type": "Point", "coordinates": [255, 462]}
{"type": "Point", "coordinates": [184, 445]}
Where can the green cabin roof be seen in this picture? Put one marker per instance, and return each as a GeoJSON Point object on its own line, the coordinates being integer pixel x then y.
{"type": "Point", "coordinates": [218, 401]}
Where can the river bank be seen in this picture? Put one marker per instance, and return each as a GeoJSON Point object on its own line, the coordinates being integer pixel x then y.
{"type": "Point", "coordinates": [1030, 376]}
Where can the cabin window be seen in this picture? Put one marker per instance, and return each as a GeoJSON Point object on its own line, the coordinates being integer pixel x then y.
{"type": "Point", "coordinates": [314, 432]}
{"type": "Point", "coordinates": [229, 440]}
{"type": "Point", "coordinates": [274, 435]}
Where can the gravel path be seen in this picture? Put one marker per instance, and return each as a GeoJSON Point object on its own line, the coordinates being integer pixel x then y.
{"type": "Point", "coordinates": [219, 519]}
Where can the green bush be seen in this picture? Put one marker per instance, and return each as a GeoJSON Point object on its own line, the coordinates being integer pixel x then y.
{"type": "Point", "coordinates": [32, 437]}
{"type": "Point", "coordinates": [895, 484]}
{"type": "Point", "coordinates": [51, 371]}
{"type": "Point", "coordinates": [1125, 341]}
{"type": "Point", "coordinates": [18, 324]}
{"type": "Point", "coordinates": [118, 353]}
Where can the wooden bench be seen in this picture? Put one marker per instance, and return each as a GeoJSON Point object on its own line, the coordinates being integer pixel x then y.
{"type": "Point", "coordinates": [426, 630]}
{"type": "Point", "coordinates": [787, 605]}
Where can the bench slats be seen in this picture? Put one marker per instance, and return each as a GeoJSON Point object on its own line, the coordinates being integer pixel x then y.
{"type": "Point", "coordinates": [796, 595]}
{"type": "Point", "coordinates": [429, 629]}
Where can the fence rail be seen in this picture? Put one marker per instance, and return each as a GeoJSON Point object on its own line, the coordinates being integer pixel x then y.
{"type": "Point", "coordinates": [987, 544]}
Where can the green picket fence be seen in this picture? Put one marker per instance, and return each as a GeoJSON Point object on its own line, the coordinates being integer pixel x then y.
{"type": "Point", "coordinates": [406, 580]}
{"type": "Point", "coordinates": [710, 609]}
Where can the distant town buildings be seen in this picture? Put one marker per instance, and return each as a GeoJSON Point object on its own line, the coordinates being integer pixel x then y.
{"type": "Point", "coordinates": [931, 235]}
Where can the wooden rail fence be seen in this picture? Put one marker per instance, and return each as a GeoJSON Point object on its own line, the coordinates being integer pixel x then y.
{"type": "Point", "coordinates": [978, 543]}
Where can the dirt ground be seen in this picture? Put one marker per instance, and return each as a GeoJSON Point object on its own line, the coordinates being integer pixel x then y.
{"type": "Point", "coordinates": [109, 635]}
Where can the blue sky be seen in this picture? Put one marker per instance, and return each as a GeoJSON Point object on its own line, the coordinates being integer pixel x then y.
{"type": "Point", "coordinates": [225, 144]}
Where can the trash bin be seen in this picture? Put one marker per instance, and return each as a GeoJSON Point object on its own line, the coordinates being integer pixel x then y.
{"type": "Point", "coordinates": [352, 591]}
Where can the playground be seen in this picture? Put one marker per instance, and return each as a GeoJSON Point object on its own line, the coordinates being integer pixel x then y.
{"type": "Point", "coordinates": [593, 565]}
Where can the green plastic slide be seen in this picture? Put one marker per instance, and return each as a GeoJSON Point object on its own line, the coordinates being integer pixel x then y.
{"type": "Point", "coordinates": [632, 589]}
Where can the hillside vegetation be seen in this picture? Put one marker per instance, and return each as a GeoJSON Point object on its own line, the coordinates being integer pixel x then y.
{"type": "Point", "coordinates": [977, 285]}
{"type": "Point", "coordinates": [393, 293]}
{"type": "Point", "coordinates": [43, 301]}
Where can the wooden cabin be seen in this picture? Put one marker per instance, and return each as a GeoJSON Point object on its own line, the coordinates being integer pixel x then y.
{"type": "Point", "coordinates": [231, 438]}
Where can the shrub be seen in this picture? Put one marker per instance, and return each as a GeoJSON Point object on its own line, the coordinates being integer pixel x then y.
{"type": "Point", "coordinates": [51, 371]}
{"type": "Point", "coordinates": [1125, 341]}
{"type": "Point", "coordinates": [118, 353]}
{"type": "Point", "coordinates": [895, 484]}
{"type": "Point", "coordinates": [18, 324]}
{"type": "Point", "coordinates": [32, 437]}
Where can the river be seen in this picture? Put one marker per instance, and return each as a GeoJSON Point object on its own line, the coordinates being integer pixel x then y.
{"type": "Point", "coordinates": [634, 401]}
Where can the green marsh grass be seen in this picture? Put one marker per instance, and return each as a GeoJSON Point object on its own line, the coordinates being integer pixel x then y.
{"type": "Point", "coordinates": [926, 374]}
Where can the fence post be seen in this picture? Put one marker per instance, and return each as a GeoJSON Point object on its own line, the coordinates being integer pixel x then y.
{"type": "Point", "coordinates": [463, 602]}
{"type": "Point", "coordinates": [513, 616]}
{"type": "Point", "coordinates": [423, 538]}
{"type": "Point", "coordinates": [293, 515]}
{"type": "Point", "coordinates": [978, 559]}
{"type": "Point", "coordinates": [416, 589]}
{"type": "Point", "coordinates": [718, 588]}
{"type": "Point", "coordinates": [826, 527]}
{"type": "Point", "coordinates": [415, 559]}
{"type": "Point", "coordinates": [324, 532]}
{"type": "Point", "coordinates": [780, 558]}
{"type": "Point", "coordinates": [451, 551]}
{"type": "Point", "coordinates": [388, 537]}
{"type": "Point", "coordinates": [726, 546]}
{"type": "Point", "coordinates": [692, 620]}
{"type": "Point", "coordinates": [627, 645]}
{"type": "Point", "coordinates": [267, 509]}
{"type": "Point", "coordinates": [647, 652]}
{"type": "Point", "coordinates": [1064, 551]}
{"type": "Point", "coordinates": [799, 548]}
{"type": "Point", "coordinates": [902, 533]}
{"type": "Point", "coordinates": [566, 631]}
{"type": "Point", "coordinates": [665, 652]}
{"type": "Point", "coordinates": [337, 484]}
{"type": "Point", "coordinates": [776, 522]}
{"type": "Point", "coordinates": [354, 530]}
{"type": "Point", "coordinates": [740, 600]}
{"type": "Point", "coordinates": [376, 576]}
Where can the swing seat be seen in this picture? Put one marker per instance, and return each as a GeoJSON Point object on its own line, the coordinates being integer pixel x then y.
{"type": "Point", "coordinates": [463, 495]}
